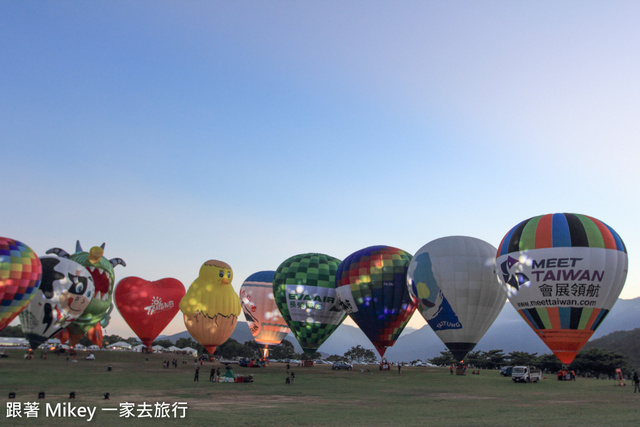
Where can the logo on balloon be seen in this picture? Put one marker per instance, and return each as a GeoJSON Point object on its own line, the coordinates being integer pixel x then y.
{"type": "Point", "coordinates": [515, 280]}
{"type": "Point", "coordinates": [157, 305]}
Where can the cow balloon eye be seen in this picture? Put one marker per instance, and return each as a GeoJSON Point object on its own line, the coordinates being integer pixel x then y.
{"type": "Point", "coordinates": [80, 288]}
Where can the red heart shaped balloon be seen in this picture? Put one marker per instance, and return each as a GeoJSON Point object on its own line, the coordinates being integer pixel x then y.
{"type": "Point", "coordinates": [148, 307]}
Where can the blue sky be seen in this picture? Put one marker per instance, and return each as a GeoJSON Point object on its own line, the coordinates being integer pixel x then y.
{"type": "Point", "coordinates": [249, 132]}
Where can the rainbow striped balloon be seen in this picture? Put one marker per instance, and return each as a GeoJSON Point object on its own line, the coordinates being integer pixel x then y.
{"type": "Point", "coordinates": [563, 273]}
{"type": "Point", "coordinates": [20, 274]}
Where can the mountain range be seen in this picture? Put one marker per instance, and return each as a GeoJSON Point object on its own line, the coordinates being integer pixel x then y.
{"type": "Point", "coordinates": [509, 333]}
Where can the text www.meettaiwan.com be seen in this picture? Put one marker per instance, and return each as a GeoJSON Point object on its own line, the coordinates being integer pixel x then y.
{"type": "Point", "coordinates": [556, 301]}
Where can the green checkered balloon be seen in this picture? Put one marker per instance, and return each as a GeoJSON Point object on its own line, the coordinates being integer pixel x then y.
{"type": "Point", "coordinates": [305, 292]}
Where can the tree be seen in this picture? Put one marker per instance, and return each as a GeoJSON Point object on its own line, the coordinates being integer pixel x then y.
{"type": "Point", "coordinates": [111, 339]}
{"type": "Point", "coordinates": [548, 363]}
{"type": "Point", "coordinates": [133, 341]}
{"type": "Point", "coordinates": [445, 358]}
{"type": "Point", "coordinates": [475, 358]}
{"type": "Point", "coordinates": [495, 359]}
{"type": "Point", "coordinates": [334, 358]}
{"type": "Point", "coordinates": [360, 354]}
{"type": "Point", "coordinates": [597, 361]}
{"type": "Point", "coordinates": [283, 351]}
{"type": "Point", "coordinates": [232, 348]}
{"type": "Point", "coordinates": [12, 332]}
{"type": "Point", "coordinates": [521, 358]}
{"type": "Point", "coordinates": [85, 341]}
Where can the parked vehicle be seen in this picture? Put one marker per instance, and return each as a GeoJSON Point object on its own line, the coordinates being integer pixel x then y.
{"type": "Point", "coordinates": [526, 374]}
{"type": "Point", "coordinates": [342, 365]}
{"type": "Point", "coordinates": [506, 371]}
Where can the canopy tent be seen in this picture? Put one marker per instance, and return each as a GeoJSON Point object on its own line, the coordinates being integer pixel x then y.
{"type": "Point", "coordinates": [120, 345]}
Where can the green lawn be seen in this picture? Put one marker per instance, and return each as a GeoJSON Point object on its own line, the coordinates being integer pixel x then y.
{"type": "Point", "coordinates": [319, 396]}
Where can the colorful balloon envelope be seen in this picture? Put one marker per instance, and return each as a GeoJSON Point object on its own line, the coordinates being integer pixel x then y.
{"type": "Point", "coordinates": [65, 291]}
{"type": "Point", "coordinates": [95, 335]}
{"type": "Point", "coordinates": [372, 287]}
{"type": "Point", "coordinates": [101, 270]}
{"type": "Point", "coordinates": [563, 273]}
{"type": "Point", "coordinates": [305, 291]}
{"type": "Point", "coordinates": [265, 321]}
{"type": "Point", "coordinates": [454, 280]}
{"type": "Point", "coordinates": [211, 307]}
{"type": "Point", "coordinates": [147, 306]}
{"type": "Point", "coordinates": [20, 273]}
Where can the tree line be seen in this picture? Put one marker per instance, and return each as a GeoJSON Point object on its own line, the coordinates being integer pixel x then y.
{"type": "Point", "coordinates": [593, 362]}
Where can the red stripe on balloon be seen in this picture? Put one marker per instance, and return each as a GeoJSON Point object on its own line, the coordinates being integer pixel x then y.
{"type": "Point", "coordinates": [544, 232]}
{"type": "Point", "coordinates": [609, 240]}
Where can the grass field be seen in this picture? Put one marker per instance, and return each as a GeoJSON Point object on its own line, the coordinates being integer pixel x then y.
{"type": "Point", "coordinates": [319, 396]}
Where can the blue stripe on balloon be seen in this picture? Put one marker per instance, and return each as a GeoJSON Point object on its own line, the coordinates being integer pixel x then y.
{"type": "Point", "coordinates": [599, 319]}
{"type": "Point", "coordinates": [504, 249]}
{"type": "Point", "coordinates": [531, 319]}
{"type": "Point", "coordinates": [560, 231]}
{"type": "Point", "coordinates": [565, 317]}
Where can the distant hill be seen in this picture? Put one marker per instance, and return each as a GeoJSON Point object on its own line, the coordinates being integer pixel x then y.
{"type": "Point", "coordinates": [626, 342]}
{"type": "Point", "coordinates": [509, 332]}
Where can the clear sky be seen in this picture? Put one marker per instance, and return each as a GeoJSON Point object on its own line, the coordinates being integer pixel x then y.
{"type": "Point", "coordinates": [252, 131]}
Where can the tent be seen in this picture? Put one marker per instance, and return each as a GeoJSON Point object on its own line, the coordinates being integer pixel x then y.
{"type": "Point", "coordinates": [190, 351]}
{"type": "Point", "coordinates": [158, 348]}
{"type": "Point", "coordinates": [138, 348]}
{"type": "Point", "coordinates": [120, 345]}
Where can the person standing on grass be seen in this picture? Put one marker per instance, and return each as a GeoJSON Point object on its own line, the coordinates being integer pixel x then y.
{"type": "Point", "coordinates": [197, 376]}
{"type": "Point", "coordinates": [636, 381]}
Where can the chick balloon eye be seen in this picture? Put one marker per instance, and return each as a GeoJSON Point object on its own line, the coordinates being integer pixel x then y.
{"type": "Point", "coordinates": [221, 273]}
{"type": "Point", "coordinates": [228, 274]}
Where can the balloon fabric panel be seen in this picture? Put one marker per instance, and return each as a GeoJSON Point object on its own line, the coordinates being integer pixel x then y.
{"type": "Point", "coordinates": [147, 306]}
{"type": "Point", "coordinates": [211, 307]}
{"type": "Point", "coordinates": [20, 274]}
{"type": "Point", "coordinates": [563, 273]}
{"type": "Point", "coordinates": [304, 291]}
{"type": "Point", "coordinates": [560, 230]}
{"type": "Point", "coordinates": [376, 277]}
{"type": "Point", "coordinates": [65, 291]}
{"type": "Point", "coordinates": [454, 278]}
{"type": "Point", "coordinates": [264, 319]}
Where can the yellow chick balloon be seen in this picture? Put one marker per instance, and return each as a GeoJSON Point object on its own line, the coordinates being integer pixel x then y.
{"type": "Point", "coordinates": [211, 307]}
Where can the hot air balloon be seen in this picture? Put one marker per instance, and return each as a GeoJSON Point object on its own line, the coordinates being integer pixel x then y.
{"type": "Point", "coordinates": [211, 307]}
{"type": "Point", "coordinates": [20, 273]}
{"type": "Point", "coordinates": [265, 321]}
{"type": "Point", "coordinates": [454, 280]}
{"type": "Point", "coordinates": [95, 335]}
{"type": "Point", "coordinates": [372, 287]}
{"type": "Point", "coordinates": [563, 273]}
{"type": "Point", "coordinates": [146, 306]}
{"type": "Point", "coordinates": [305, 291]}
{"type": "Point", "coordinates": [101, 270]}
{"type": "Point", "coordinates": [65, 291]}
